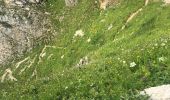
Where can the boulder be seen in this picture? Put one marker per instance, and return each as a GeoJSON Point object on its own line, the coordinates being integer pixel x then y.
{"type": "Point", "coordinates": [19, 31]}
{"type": "Point", "coordinates": [157, 93]}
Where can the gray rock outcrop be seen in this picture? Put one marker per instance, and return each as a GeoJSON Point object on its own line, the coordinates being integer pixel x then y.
{"type": "Point", "coordinates": [19, 29]}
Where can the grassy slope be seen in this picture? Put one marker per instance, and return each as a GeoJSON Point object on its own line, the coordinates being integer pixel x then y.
{"type": "Point", "coordinates": [144, 41]}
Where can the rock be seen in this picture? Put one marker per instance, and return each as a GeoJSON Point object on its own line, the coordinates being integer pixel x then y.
{"type": "Point", "coordinates": [167, 1]}
{"type": "Point", "coordinates": [19, 29]}
{"type": "Point", "coordinates": [5, 49]}
{"type": "Point", "coordinates": [105, 3]}
{"type": "Point", "coordinates": [83, 61]}
{"type": "Point", "coordinates": [71, 3]}
{"type": "Point", "coordinates": [157, 93]}
{"type": "Point", "coordinates": [10, 3]}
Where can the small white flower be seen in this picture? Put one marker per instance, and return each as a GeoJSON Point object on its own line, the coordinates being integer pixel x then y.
{"type": "Point", "coordinates": [66, 87]}
{"type": "Point", "coordinates": [124, 62]}
{"type": "Point", "coordinates": [165, 41]}
{"type": "Point", "coordinates": [132, 64]}
{"type": "Point", "coordinates": [79, 33]}
{"type": "Point", "coordinates": [156, 44]}
{"type": "Point", "coordinates": [88, 40]}
{"type": "Point", "coordinates": [62, 56]}
{"type": "Point", "coordinates": [163, 44]}
{"type": "Point", "coordinates": [161, 59]}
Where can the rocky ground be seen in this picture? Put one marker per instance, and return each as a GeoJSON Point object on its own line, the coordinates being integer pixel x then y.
{"type": "Point", "coordinates": [20, 27]}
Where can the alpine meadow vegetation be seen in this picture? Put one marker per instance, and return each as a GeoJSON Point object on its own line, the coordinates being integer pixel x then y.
{"type": "Point", "coordinates": [96, 54]}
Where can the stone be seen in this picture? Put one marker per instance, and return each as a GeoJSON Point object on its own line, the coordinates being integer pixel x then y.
{"type": "Point", "coordinates": [157, 93]}
{"type": "Point", "coordinates": [19, 31]}
{"type": "Point", "coordinates": [22, 3]}
{"type": "Point", "coordinates": [167, 1]}
{"type": "Point", "coordinates": [71, 3]}
{"type": "Point", "coordinates": [105, 3]}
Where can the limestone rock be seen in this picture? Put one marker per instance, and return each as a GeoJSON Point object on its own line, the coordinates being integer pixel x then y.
{"type": "Point", "coordinates": [71, 3]}
{"type": "Point", "coordinates": [167, 1]}
{"type": "Point", "coordinates": [19, 29]}
{"type": "Point", "coordinates": [9, 3]}
{"type": "Point", "coordinates": [157, 93]}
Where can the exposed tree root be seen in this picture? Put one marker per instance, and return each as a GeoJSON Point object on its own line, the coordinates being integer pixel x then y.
{"type": "Point", "coordinates": [8, 74]}
{"type": "Point", "coordinates": [50, 56]}
{"type": "Point", "coordinates": [31, 63]}
{"type": "Point", "coordinates": [19, 63]}
{"type": "Point", "coordinates": [134, 15]}
{"type": "Point", "coordinates": [43, 53]}
{"type": "Point", "coordinates": [146, 2]}
{"type": "Point", "coordinates": [131, 17]}
{"type": "Point", "coordinates": [34, 73]}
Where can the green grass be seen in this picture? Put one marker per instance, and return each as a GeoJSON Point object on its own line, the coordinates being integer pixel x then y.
{"type": "Point", "coordinates": [145, 41]}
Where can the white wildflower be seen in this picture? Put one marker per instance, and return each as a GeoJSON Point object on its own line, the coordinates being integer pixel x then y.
{"type": "Point", "coordinates": [66, 87]}
{"type": "Point", "coordinates": [79, 33]}
{"type": "Point", "coordinates": [163, 44]}
{"type": "Point", "coordinates": [62, 56]}
{"type": "Point", "coordinates": [132, 64]}
{"type": "Point", "coordinates": [161, 59]}
{"type": "Point", "coordinates": [124, 62]}
{"type": "Point", "coordinates": [156, 44]}
{"type": "Point", "coordinates": [88, 40]}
